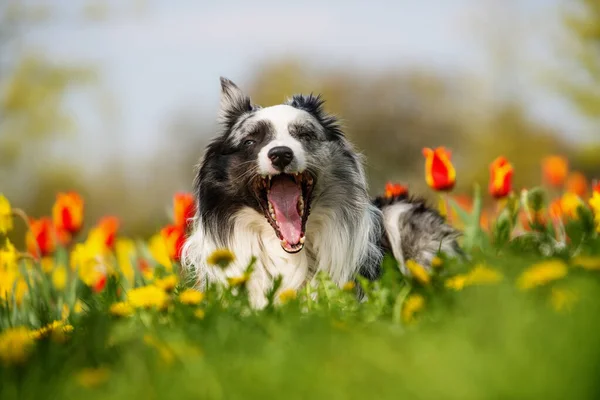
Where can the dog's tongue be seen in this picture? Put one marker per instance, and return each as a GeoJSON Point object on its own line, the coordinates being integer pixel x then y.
{"type": "Point", "coordinates": [284, 196]}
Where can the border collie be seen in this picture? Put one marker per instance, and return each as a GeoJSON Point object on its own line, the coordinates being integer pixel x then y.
{"type": "Point", "coordinates": [284, 185]}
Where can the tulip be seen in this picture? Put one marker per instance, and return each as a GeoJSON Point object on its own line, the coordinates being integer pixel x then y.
{"type": "Point", "coordinates": [501, 173]}
{"type": "Point", "coordinates": [174, 237]}
{"type": "Point", "coordinates": [439, 171]}
{"type": "Point", "coordinates": [555, 170]}
{"type": "Point", "coordinates": [40, 237]}
{"type": "Point", "coordinates": [67, 212]}
{"type": "Point", "coordinates": [106, 231]}
{"type": "Point", "coordinates": [184, 208]}
{"type": "Point", "coordinates": [577, 183]}
{"type": "Point", "coordinates": [395, 190]}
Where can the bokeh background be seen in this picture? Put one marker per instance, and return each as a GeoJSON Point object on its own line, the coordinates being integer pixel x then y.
{"type": "Point", "coordinates": [116, 99]}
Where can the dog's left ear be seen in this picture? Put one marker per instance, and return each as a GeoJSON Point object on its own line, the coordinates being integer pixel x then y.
{"type": "Point", "coordinates": [234, 103]}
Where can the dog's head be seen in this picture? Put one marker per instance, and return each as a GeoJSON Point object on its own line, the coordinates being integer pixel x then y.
{"type": "Point", "coordinates": [270, 159]}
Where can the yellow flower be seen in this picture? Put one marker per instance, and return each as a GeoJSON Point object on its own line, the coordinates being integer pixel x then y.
{"type": "Point", "coordinates": [121, 309]}
{"type": "Point", "coordinates": [199, 313]}
{"type": "Point", "coordinates": [412, 305]}
{"type": "Point", "coordinates": [56, 329]}
{"type": "Point", "coordinates": [93, 377]}
{"type": "Point", "coordinates": [148, 297]}
{"type": "Point", "coordinates": [590, 263]}
{"type": "Point", "coordinates": [125, 251]}
{"type": "Point", "coordinates": [542, 273]}
{"type": "Point", "coordinates": [457, 282]}
{"type": "Point", "coordinates": [78, 307]}
{"type": "Point", "coordinates": [595, 204]}
{"type": "Point", "coordinates": [11, 283]}
{"type": "Point", "coordinates": [8, 256]}
{"type": "Point", "coordinates": [418, 272]}
{"type": "Point", "coordinates": [238, 280]}
{"type": "Point", "coordinates": [221, 258]}
{"type": "Point", "coordinates": [562, 299]}
{"type": "Point", "coordinates": [480, 275]}
{"type": "Point", "coordinates": [569, 204]}
{"type": "Point", "coordinates": [159, 251]}
{"type": "Point", "coordinates": [287, 295]}
{"type": "Point", "coordinates": [59, 278]}
{"type": "Point", "coordinates": [349, 286]}
{"type": "Point", "coordinates": [6, 222]}
{"type": "Point", "coordinates": [87, 261]}
{"type": "Point", "coordinates": [167, 283]}
{"type": "Point", "coordinates": [436, 262]}
{"type": "Point", "coordinates": [47, 264]}
{"type": "Point", "coordinates": [191, 297]}
{"type": "Point", "coordinates": [15, 345]}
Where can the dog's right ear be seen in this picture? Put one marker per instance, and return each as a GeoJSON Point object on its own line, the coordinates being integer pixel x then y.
{"type": "Point", "coordinates": [234, 103]}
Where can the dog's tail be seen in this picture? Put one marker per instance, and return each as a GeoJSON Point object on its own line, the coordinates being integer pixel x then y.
{"type": "Point", "coordinates": [413, 231]}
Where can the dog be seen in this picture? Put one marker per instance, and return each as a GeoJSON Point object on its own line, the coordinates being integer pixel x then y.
{"type": "Point", "coordinates": [283, 184]}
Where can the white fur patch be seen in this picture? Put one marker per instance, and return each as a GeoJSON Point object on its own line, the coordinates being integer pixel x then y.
{"type": "Point", "coordinates": [281, 116]}
{"type": "Point", "coordinates": [391, 222]}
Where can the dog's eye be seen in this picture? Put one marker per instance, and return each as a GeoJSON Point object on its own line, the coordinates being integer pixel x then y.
{"type": "Point", "coordinates": [249, 142]}
{"type": "Point", "coordinates": [307, 136]}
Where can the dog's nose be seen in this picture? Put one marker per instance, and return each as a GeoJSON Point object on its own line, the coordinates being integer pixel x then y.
{"type": "Point", "coordinates": [281, 156]}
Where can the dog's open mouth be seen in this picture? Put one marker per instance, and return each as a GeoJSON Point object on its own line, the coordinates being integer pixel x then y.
{"type": "Point", "coordinates": [285, 200]}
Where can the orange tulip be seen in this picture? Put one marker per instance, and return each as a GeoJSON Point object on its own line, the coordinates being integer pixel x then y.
{"type": "Point", "coordinates": [174, 237]}
{"type": "Point", "coordinates": [107, 229]}
{"type": "Point", "coordinates": [67, 212]}
{"type": "Point", "coordinates": [577, 183]}
{"type": "Point", "coordinates": [184, 208]}
{"type": "Point", "coordinates": [596, 186]}
{"type": "Point", "coordinates": [395, 190]}
{"type": "Point", "coordinates": [100, 284]}
{"type": "Point", "coordinates": [555, 170]}
{"type": "Point", "coordinates": [555, 209]}
{"type": "Point", "coordinates": [439, 171]}
{"type": "Point", "coordinates": [501, 172]}
{"type": "Point", "coordinates": [40, 237]}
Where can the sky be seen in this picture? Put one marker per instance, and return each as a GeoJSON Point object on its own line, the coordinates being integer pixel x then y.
{"type": "Point", "coordinates": [165, 57]}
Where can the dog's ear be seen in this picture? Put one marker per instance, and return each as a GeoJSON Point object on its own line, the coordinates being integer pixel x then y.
{"type": "Point", "coordinates": [234, 103]}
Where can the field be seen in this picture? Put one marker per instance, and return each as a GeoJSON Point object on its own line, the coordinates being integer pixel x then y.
{"type": "Point", "coordinates": [104, 316]}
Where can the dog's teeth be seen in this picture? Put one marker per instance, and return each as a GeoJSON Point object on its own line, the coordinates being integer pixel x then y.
{"type": "Point", "coordinates": [302, 239]}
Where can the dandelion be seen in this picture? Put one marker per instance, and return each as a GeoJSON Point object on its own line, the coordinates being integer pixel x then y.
{"type": "Point", "coordinates": [480, 275]}
{"type": "Point", "coordinates": [40, 237]}
{"type": "Point", "coordinates": [191, 297]}
{"type": "Point", "coordinates": [238, 280]}
{"type": "Point", "coordinates": [562, 299]}
{"type": "Point", "coordinates": [436, 262]}
{"type": "Point", "coordinates": [148, 297]}
{"type": "Point", "coordinates": [577, 183]}
{"type": "Point", "coordinates": [174, 237]}
{"type": "Point", "coordinates": [6, 221]}
{"type": "Point", "coordinates": [595, 204]}
{"type": "Point", "coordinates": [412, 305]}
{"type": "Point", "coordinates": [58, 330]}
{"type": "Point", "coordinates": [184, 208]}
{"type": "Point", "coordinates": [418, 272]}
{"type": "Point", "coordinates": [221, 258]}
{"type": "Point", "coordinates": [167, 283]}
{"type": "Point", "coordinates": [287, 295]}
{"type": "Point", "coordinates": [92, 377]}
{"type": "Point", "coordinates": [121, 309]}
{"type": "Point", "coordinates": [501, 173]}
{"type": "Point", "coordinates": [199, 313]}
{"type": "Point", "coordinates": [555, 170]}
{"type": "Point", "coordinates": [394, 190]}
{"type": "Point", "coordinates": [15, 345]}
{"type": "Point", "coordinates": [589, 263]}
{"type": "Point", "coordinates": [439, 171]}
{"type": "Point", "coordinates": [59, 278]}
{"type": "Point", "coordinates": [542, 273]}
{"type": "Point", "coordinates": [349, 286]}
{"type": "Point", "coordinates": [67, 213]}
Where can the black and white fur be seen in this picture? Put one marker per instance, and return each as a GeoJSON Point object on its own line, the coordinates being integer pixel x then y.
{"type": "Point", "coordinates": [346, 232]}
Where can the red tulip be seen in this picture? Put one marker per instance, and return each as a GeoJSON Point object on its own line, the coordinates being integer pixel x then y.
{"type": "Point", "coordinates": [67, 214]}
{"type": "Point", "coordinates": [174, 237]}
{"type": "Point", "coordinates": [184, 208]}
{"type": "Point", "coordinates": [40, 237]}
{"type": "Point", "coordinates": [501, 172]}
{"type": "Point", "coordinates": [439, 171]}
{"type": "Point", "coordinates": [395, 189]}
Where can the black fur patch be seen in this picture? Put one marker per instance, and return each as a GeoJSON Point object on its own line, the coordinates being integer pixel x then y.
{"type": "Point", "coordinates": [314, 106]}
